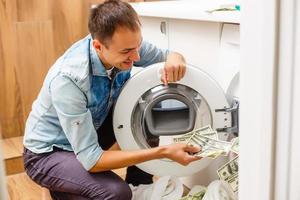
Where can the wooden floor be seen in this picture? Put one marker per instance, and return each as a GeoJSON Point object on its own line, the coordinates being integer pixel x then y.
{"type": "Point", "coordinates": [21, 187]}
{"type": "Point", "coordinates": [12, 149]}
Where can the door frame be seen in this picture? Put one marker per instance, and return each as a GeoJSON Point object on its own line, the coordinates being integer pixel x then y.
{"type": "Point", "coordinates": [270, 88]}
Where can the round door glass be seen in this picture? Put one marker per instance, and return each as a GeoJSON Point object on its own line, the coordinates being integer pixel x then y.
{"type": "Point", "coordinates": [166, 112]}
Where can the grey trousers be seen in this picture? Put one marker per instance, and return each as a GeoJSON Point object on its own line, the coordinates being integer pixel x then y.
{"type": "Point", "coordinates": [64, 176]}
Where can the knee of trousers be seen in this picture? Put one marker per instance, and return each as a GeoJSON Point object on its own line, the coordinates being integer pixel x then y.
{"type": "Point", "coordinates": [115, 191]}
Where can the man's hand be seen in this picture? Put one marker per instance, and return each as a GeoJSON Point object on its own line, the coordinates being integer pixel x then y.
{"type": "Point", "coordinates": [113, 159]}
{"type": "Point", "coordinates": [182, 153]}
{"type": "Point", "coordinates": [174, 68]}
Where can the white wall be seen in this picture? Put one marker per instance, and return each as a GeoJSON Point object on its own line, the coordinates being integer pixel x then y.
{"type": "Point", "coordinates": [270, 92]}
{"type": "Point", "coordinates": [287, 159]}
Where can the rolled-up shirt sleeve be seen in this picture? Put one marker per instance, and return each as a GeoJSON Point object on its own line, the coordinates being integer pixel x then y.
{"type": "Point", "coordinates": [150, 54]}
{"type": "Point", "coordinates": [76, 121]}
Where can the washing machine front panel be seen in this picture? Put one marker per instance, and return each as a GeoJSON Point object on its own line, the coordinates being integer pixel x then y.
{"type": "Point", "coordinates": [144, 102]}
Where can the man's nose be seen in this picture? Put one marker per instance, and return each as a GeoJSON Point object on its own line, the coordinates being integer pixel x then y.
{"type": "Point", "coordinates": [135, 56]}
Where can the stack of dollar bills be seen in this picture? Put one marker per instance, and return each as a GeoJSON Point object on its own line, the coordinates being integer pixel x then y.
{"type": "Point", "coordinates": [212, 147]}
{"type": "Point", "coordinates": [208, 140]}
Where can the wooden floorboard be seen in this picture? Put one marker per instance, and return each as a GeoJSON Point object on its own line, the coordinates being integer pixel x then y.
{"type": "Point", "coordinates": [21, 187]}
{"type": "Point", "coordinates": [12, 147]}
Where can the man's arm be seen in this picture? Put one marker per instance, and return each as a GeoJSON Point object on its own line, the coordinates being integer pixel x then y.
{"type": "Point", "coordinates": [175, 65]}
{"type": "Point", "coordinates": [113, 159]}
{"type": "Point", "coordinates": [76, 120]}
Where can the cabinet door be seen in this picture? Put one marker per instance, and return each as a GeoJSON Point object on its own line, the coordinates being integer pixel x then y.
{"type": "Point", "coordinates": [229, 61]}
{"type": "Point", "coordinates": [198, 41]}
{"type": "Point", "coordinates": [155, 30]}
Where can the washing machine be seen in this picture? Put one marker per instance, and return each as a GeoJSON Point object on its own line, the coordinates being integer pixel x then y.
{"type": "Point", "coordinates": [149, 114]}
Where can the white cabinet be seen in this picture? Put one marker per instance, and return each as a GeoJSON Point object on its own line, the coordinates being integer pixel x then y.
{"type": "Point", "coordinates": [155, 30]}
{"type": "Point", "coordinates": [198, 41]}
{"type": "Point", "coordinates": [229, 56]}
{"type": "Point", "coordinates": [211, 46]}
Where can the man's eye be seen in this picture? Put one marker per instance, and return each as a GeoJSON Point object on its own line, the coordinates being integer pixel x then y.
{"type": "Point", "coordinates": [124, 52]}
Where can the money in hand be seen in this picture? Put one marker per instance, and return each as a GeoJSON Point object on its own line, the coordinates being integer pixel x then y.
{"type": "Point", "coordinates": [207, 139]}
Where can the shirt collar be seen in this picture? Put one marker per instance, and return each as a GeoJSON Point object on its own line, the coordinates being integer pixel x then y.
{"type": "Point", "coordinates": [97, 66]}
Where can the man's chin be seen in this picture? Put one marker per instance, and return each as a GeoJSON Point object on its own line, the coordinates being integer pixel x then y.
{"type": "Point", "coordinates": [126, 65]}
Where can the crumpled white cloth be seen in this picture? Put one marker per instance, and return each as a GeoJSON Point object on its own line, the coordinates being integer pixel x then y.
{"type": "Point", "coordinates": [219, 190]}
{"type": "Point", "coordinates": [165, 188]}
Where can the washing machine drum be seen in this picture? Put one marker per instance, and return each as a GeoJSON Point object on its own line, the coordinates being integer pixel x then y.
{"type": "Point", "coordinates": [148, 114]}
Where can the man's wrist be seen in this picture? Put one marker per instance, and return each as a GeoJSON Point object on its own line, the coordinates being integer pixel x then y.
{"type": "Point", "coordinates": [176, 56]}
{"type": "Point", "coordinates": [162, 152]}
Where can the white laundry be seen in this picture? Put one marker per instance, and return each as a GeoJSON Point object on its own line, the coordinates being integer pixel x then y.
{"type": "Point", "coordinates": [220, 190]}
{"type": "Point", "coordinates": [165, 188]}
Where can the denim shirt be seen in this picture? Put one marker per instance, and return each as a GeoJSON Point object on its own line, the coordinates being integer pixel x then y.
{"type": "Point", "coordinates": [74, 100]}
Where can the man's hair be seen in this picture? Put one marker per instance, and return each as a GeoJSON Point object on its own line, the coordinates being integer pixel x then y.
{"type": "Point", "coordinates": [107, 17]}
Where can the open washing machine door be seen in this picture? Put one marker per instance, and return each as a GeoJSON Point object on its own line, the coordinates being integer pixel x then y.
{"type": "Point", "coordinates": [149, 114]}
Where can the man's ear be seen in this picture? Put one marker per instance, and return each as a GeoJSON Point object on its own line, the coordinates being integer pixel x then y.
{"type": "Point", "coordinates": [97, 45]}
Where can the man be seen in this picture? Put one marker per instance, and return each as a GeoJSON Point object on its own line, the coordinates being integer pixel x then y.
{"type": "Point", "coordinates": [69, 142]}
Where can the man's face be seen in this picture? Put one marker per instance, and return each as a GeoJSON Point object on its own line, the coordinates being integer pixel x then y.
{"type": "Point", "coordinates": [122, 50]}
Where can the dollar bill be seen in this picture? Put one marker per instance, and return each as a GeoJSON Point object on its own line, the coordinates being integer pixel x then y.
{"type": "Point", "coordinates": [229, 173]}
{"type": "Point", "coordinates": [184, 138]}
{"type": "Point", "coordinates": [235, 145]}
{"type": "Point", "coordinates": [209, 144]}
{"type": "Point", "coordinates": [206, 130]}
{"type": "Point", "coordinates": [181, 139]}
{"type": "Point", "coordinates": [196, 196]}
{"type": "Point", "coordinates": [209, 151]}
{"type": "Point", "coordinates": [213, 135]}
{"type": "Point", "coordinates": [214, 142]}
{"type": "Point", "coordinates": [229, 169]}
{"type": "Point", "coordinates": [210, 154]}
{"type": "Point", "coordinates": [234, 182]}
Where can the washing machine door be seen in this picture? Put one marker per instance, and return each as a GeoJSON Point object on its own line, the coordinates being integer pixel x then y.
{"type": "Point", "coordinates": [148, 114]}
